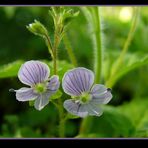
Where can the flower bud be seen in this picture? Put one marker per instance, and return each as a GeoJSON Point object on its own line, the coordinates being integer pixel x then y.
{"type": "Point", "coordinates": [69, 15]}
{"type": "Point", "coordinates": [37, 28]}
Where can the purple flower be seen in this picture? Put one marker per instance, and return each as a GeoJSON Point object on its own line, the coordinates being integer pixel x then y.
{"type": "Point", "coordinates": [86, 97]}
{"type": "Point", "coordinates": [36, 75]}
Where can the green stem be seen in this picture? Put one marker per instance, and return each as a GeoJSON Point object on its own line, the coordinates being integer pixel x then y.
{"type": "Point", "coordinates": [69, 50]}
{"type": "Point", "coordinates": [49, 45]}
{"type": "Point", "coordinates": [55, 47]}
{"type": "Point", "coordinates": [62, 119]}
{"type": "Point", "coordinates": [55, 62]}
{"type": "Point", "coordinates": [98, 46]}
{"type": "Point", "coordinates": [57, 40]}
{"type": "Point", "coordinates": [85, 126]}
{"type": "Point", "coordinates": [120, 59]}
{"type": "Point", "coordinates": [94, 13]}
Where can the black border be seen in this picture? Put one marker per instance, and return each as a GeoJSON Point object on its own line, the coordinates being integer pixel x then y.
{"type": "Point", "coordinates": [72, 142]}
{"type": "Point", "coordinates": [72, 2]}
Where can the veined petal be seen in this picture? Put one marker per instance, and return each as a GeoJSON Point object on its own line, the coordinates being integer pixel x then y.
{"type": "Point", "coordinates": [100, 94]}
{"type": "Point", "coordinates": [42, 101]}
{"type": "Point", "coordinates": [102, 99]}
{"type": "Point", "coordinates": [25, 94]}
{"type": "Point", "coordinates": [53, 84]}
{"type": "Point", "coordinates": [98, 88]}
{"type": "Point", "coordinates": [75, 108]}
{"type": "Point", "coordinates": [77, 80]}
{"type": "Point", "coordinates": [82, 110]}
{"type": "Point", "coordinates": [93, 109]}
{"type": "Point", "coordinates": [33, 72]}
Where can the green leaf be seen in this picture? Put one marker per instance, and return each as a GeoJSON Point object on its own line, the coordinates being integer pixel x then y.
{"type": "Point", "coordinates": [57, 95]}
{"type": "Point", "coordinates": [137, 111]}
{"type": "Point", "coordinates": [70, 116]}
{"type": "Point", "coordinates": [10, 70]}
{"type": "Point", "coordinates": [131, 62]}
{"type": "Point", "coordinates": [64, 15]}
{"type": "Point", "coordinates": [111, 124]}
{"type": "Point", "coordinates": [69, 15]}
{"type": "Point", "coordinates": [132, 66]}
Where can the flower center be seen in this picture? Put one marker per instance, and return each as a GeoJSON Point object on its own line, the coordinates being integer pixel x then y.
{"type": "Point", "coordinates": [85, 97]}
{"type": "Point", "coordinates": [40, 88]}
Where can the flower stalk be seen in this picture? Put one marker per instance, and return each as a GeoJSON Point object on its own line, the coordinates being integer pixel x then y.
{"type": "Point", "coordinates": [61, 18]}
{"type": "Point", "coordinates": [69, 50]}
{"type": "Point", "coordinates": [93, 16]}
{"type": "Point", "coordinates": [97, 42]}
{"type": "Point", "coordinates": [120, 59]}
{"type": "Point", "coordinates": [62, 119]}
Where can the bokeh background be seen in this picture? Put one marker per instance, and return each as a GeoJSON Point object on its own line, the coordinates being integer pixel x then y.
{"type": "Point", "coordinates": [129, 118]}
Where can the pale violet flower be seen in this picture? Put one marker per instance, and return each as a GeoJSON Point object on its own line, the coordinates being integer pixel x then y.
{"type": "Point", "coordinates": [86, 97]}
{"type": "Point", "coordinates": [36, 75]}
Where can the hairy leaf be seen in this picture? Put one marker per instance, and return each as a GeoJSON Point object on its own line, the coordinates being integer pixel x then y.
{"type": "Point", "coordinates": [131, 62]}
{"type": "Point", "coordinates": [10, 70]}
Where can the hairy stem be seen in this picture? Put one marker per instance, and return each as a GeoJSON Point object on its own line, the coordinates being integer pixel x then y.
{"type": "Point", "coordinates": [57, 39]}
{"type": "Point", "coordinates": [55, 62]}
{"type": "Point", "coordinates": [120, 59]}
{"type": "Point", "coordinates": [98, 45]}
{"type": "Point", "coordinates": [92, 15]}
{"type": "Point", "coordinates": [55, 48]}
{"type": "Point", "coordinates": [49, 45]}
{"type": "Point", "coordinates": [62, 119]}
{"type": "Point", "coordinates": [96, 25]}
{"type": "Point", "coordinates": [69, 50]}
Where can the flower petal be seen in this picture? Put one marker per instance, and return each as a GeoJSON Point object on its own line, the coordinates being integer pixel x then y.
{"type": "Point", "coordinates": [75, 108]}
{"type": "Point", "coordinates": [33, 72]}
{"type": "Point", "coordinates": [42, 101]}
{"type": "Point", "coordinates": [82, 110]}
{"type": "Point", "coordinates": [93, 109]}
{"type": "Point", "coordinates": [25, 94]}
{"type": "Point", "coordinates": [77, 80]}
{"type": "Point", "coordinates": [100, 94]}
{"type": "Point", "coordinates": [53, 84]}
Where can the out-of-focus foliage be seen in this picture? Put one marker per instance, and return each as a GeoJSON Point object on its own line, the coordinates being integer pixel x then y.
{"type": "Point", "coordinates": [137, 111]}
{"type": "Point", "coordinates": [111, 124]}
{"type": "Point", "coordinates": [131, 62]}
{"type": "Point", "coordinates": [10, 70]}
{"type": "Point", "coordinates": [62, 65]}
{"type": "Point", "coordinates": [126, 115]}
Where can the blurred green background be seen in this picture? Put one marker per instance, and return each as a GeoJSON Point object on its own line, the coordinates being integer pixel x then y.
{"type": "Point", "coordinates": [125, 116]}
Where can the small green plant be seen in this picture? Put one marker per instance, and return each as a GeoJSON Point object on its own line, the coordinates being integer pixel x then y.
{"type": "Point", "coordinates": [72, 91]}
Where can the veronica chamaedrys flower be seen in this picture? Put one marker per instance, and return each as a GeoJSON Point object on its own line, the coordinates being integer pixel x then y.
{"type": "Point", "coordinates": [86, 97]}
{"type": "Point", "coordinates": [36, 75]}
